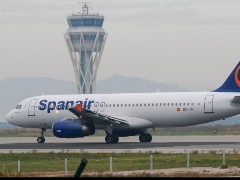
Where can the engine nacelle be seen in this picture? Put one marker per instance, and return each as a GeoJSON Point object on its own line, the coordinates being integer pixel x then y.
{"type": "Point", "coordinates": [126, 132]}
{"type": "Point", "coordinates": [72, 129]}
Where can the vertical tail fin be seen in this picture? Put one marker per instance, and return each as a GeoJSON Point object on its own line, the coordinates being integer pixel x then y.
{"type": "Point", "coordinates": [232, 84]}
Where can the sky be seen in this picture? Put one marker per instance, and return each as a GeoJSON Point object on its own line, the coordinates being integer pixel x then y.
{"type": "Point", "coordinates": [190, 43]}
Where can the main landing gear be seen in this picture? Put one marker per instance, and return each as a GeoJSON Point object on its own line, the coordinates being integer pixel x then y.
{"type": "Point", "coordinates": [41, 138]}
{"type": "Point", "coordinates": [145, 137]}
{"type": "Point", "coordinates": [110, 138]}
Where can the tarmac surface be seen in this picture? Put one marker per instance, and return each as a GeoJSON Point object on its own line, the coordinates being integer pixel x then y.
{"type": "Point", "coordinates": [164, 144]}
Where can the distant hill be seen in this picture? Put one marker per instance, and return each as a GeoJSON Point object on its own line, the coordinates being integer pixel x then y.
{"type": "Point", "coordinates": [121, 84]}
{"type": "Point", "coordinates": [14, 90]}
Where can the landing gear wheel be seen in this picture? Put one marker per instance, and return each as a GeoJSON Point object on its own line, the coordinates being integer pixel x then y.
{"type": "Point", "coordinates": [116, 139]}
{"type": "Point", "coordinates": [149, 137]}
{"type": "Point", "coordinates": [41, 139]}
{"type": "Point", "coordinates": [143, 138]}
{"type": "Point", "coordinates": [110, 139]}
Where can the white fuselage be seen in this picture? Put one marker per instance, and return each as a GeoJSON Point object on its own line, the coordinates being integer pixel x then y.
{"type": "Point", "coordinates": [169, 109]}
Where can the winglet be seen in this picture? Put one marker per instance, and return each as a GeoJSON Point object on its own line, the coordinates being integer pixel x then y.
{"type": "Point", "coordinates": [232, 83]}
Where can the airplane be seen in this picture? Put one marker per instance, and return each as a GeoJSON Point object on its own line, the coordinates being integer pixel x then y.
{"type": "Point", "coordinates": [126, 114]}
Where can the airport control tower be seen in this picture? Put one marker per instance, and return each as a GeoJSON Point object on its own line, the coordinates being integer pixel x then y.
{"type": "Point", "coordinates": [85, 39]}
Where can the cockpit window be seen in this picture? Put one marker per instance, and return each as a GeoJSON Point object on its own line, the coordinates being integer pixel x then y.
{"type": "Point", "coordinates": [18, 106]}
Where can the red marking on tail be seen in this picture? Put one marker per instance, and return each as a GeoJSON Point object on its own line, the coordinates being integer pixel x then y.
{"type": "Point", "coordinates": [236, 76]}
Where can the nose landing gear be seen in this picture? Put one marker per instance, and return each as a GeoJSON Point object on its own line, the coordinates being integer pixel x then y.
{"type": "Point", "coordinates": [40, 138]}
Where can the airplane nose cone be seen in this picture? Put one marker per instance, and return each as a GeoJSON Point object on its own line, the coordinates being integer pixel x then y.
{"type": "Point", "coordinates": [9, 117]}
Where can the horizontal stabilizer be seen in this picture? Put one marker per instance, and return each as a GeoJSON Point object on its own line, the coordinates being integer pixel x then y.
{"type": "Point", "coordinates": [236, 99]}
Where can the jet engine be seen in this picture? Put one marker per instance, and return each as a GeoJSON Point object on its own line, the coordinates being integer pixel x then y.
{"type": "Point", "coordinates": [72, 129]}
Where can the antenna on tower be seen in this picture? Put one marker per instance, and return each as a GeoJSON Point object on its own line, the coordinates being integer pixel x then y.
{"type": "Point", "coordinates": [85, 7]}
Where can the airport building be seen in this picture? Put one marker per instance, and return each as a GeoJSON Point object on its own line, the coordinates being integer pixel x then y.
{"type": "Point", "coordinates": [85, 39]}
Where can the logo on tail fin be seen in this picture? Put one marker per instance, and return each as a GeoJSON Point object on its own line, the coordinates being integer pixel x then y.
{"type": "Point", "coordinates": [236, 76]}
{"type": "Point", "coordinates": [232, 83]}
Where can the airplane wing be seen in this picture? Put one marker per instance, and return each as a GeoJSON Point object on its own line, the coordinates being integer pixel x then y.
{"type": "Point", "coordinates": [87, 114]}
{"type": "Point", "coordinates": [133, 122]}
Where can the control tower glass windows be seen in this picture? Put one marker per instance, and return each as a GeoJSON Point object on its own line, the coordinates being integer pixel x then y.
{"type": "Point", "coordinates": [92, 37]}
{"type": "Point", "coordinates": [99, 22]}
{"type": "Point", "coordinates": [101, 37]}
{"type": "Point", "coordinates": [76, 22]}
{"type": "Point", "coordinates": [86, 37]}
{"type": "Point", "coordinates": [89, 22]}
{"type": "Point", "coordinates": [86, 22]}
{"type": "Point", "coordinates": [75, 37]}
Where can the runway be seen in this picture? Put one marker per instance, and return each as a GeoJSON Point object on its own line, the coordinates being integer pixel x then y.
{"type": "Point", "coordinates": [164, 144]}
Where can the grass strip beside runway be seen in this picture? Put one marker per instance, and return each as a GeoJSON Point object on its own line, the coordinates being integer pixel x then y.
{"type": "Point", "coordinates": [100, 162]}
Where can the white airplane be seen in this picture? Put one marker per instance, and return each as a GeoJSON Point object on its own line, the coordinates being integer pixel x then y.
{"type": "Point", "coordinates": [128, 114]}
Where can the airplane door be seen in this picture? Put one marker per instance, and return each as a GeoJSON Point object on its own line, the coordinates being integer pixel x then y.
{"type": "Point", "coordinates": [96, 106]}
{"type": "Point", "coordinates": [208, 104]}
{"type": "Point", "coordinates": [102, 106]}
{"type": "Point", "coordinates": [31, 107]}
